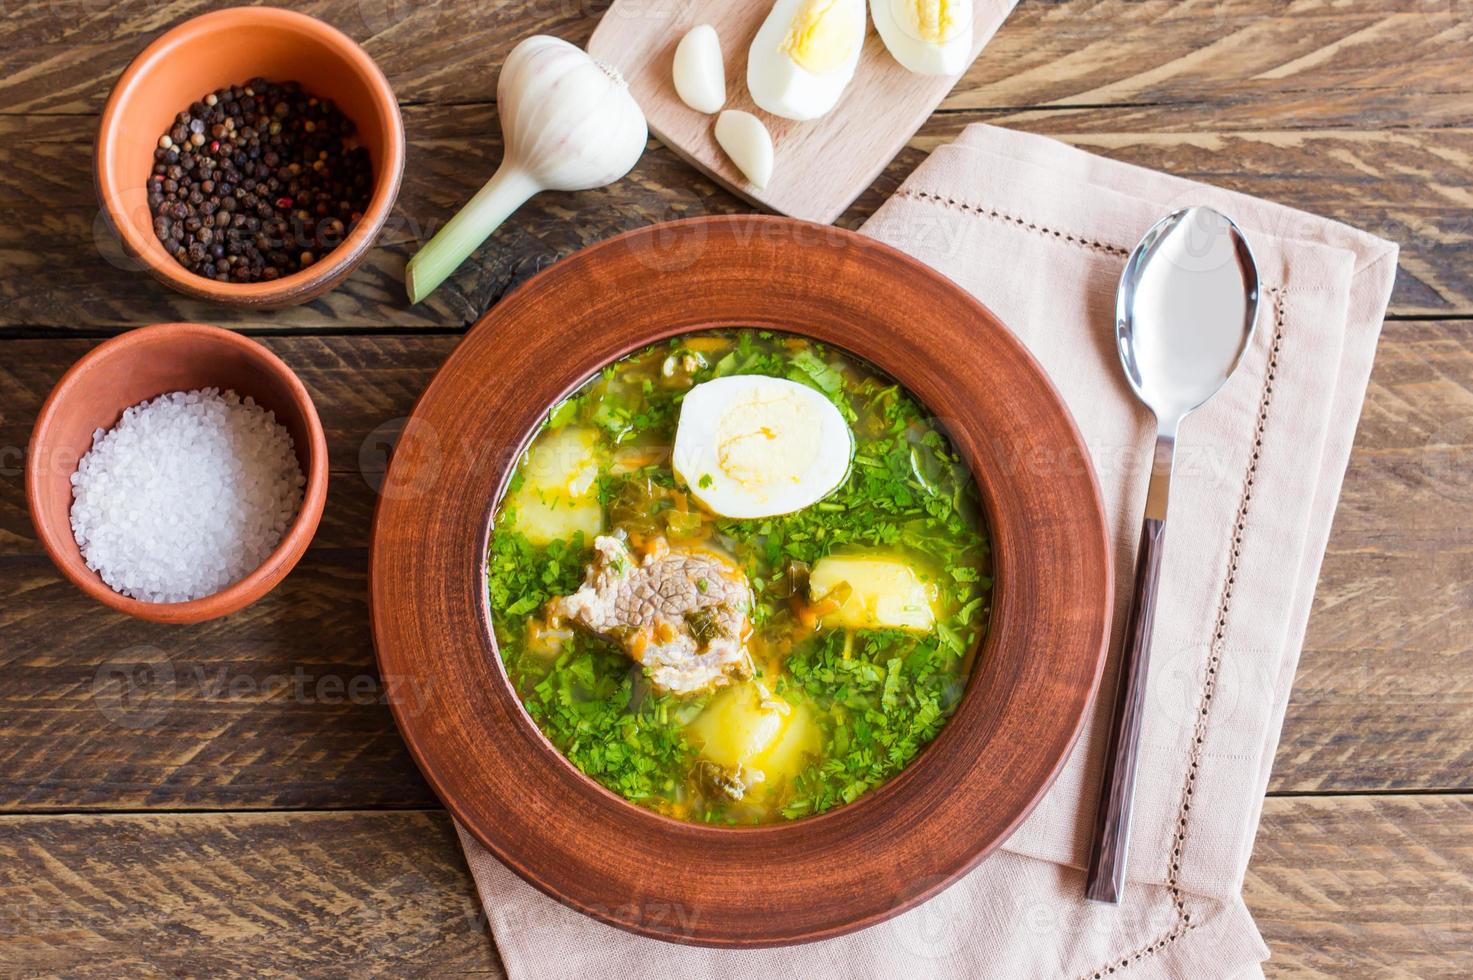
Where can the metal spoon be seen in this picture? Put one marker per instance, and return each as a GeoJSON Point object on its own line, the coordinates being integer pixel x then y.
{"type": "Point", "coordinates": [1184, 314]}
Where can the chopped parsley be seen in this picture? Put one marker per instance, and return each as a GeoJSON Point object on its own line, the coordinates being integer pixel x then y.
{"type": "Point", "coordinates": [877, 696]}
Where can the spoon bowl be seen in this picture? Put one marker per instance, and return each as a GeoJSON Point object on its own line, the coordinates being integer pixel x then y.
{"type": "Point", "coordinates": [1185, 311]}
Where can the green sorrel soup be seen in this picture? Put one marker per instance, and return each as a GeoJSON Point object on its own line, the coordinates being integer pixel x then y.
{"type": "Point", "coordinates": [738, 576]}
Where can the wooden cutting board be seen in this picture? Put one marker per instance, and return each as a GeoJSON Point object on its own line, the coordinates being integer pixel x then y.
{"type": "Point", "coordinates": [821, 166]}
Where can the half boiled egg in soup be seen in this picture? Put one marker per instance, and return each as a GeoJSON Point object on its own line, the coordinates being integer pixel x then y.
{"type": "Point", "coordinates": [754, 446]}
{"type": "Point", "coordinates": [928, 37]}
{"type": "Point", "coordinates": [804, 56]}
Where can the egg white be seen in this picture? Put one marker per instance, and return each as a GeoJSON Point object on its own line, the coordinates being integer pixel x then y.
{"type": "Point", "coordinates": [752, 446]}
{"type": "Point", "coordinates": [785, 88]}
{"type": "Point", "coordinates": [895, 24]}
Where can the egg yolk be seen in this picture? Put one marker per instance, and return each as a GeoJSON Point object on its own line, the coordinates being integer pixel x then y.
{"type": "Point", "coordinates": [933, 21]}
{"type": "Point", "coordinates": [762, 441]}
{"type": "Point", "coordinates": [821, 37]}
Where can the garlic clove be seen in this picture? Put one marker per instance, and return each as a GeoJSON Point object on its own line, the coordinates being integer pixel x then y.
{"type": "Point", "coordinates": [747, 141]}
{"type": "Point", "coordinates": [700, 72]}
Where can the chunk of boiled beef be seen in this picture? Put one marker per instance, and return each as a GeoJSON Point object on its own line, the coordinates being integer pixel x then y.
{"type": "Point", "coordinates": [682, 614]}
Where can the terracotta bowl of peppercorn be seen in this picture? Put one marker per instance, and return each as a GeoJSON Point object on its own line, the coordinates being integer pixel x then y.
{"type": "Point", "coordinates": [250, 156]}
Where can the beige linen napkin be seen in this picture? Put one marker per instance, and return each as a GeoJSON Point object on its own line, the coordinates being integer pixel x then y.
{"type": "Point", "coordinates": [1039, 232]}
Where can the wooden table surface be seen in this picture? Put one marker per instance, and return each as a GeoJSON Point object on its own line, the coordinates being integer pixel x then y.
{"type": "Point", "coordinates": [234, 795]}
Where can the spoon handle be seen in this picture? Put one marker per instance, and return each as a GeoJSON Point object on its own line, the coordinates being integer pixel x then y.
{"type": "Point", "coordinates": [1111, 841]}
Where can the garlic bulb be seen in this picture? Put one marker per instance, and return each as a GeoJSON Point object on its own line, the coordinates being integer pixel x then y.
{"type": "Point", "coordinates": [568, 124]}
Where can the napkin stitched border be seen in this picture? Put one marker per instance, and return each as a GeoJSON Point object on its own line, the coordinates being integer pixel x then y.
{"type": "Point", "coordinates": [1184, 921]}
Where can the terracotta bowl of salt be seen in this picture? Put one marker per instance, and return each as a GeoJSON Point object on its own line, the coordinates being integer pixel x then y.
{"type": "Point", "coordinates": [138, 367]}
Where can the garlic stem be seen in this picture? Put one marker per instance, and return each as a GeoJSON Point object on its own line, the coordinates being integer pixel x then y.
{"type": "Point", "coordinates": [508, 190]}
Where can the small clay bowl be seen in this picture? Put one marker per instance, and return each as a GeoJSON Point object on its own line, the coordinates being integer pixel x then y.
{"type": "Point", "coordinates": [141, 365]}
{"type": "Point", "coordinates": [230, 47]}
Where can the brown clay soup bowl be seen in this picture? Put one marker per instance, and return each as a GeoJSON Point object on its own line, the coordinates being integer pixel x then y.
{"type": "Point", "coordinates": [1036, 672]}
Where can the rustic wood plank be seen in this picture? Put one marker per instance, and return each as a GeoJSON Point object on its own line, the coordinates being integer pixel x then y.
{"type": "Point", "coordinates": [1412, 432]}
{"type": "Point", "coordinates": [1385, 685]}
{"type": "Point", "coordinates": [357, 383]}
{"type": "Point", "coordinates": [65, 55]}
{"type": "Point", "coordinates": [1315, 64]}
{"type": "Point", "coordinates": [67, 273]}
{"type": "Point", "coordinates": [1324, 63]}
{"type": "Point", "coordinates": [258, 711]}
{"type": "Point", "coordinates": [346, 521]}
{"type": "Point", "coordinates": [279, 705]}
{"type": "Point", "coordinates": [1365, 887]}
{"type": "Point", "coordinates": [1343, 887]}
{"type": "Point", "coordinates": [364, 388]}
{"type": "Point", "coordinates": [261, 895]}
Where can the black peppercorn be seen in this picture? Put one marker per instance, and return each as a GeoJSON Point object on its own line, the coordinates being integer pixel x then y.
{"type": "Point", "coordinates": [258, 181]}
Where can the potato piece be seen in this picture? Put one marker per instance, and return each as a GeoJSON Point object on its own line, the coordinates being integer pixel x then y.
{"type": "Point", "coordinates": [735, 728]}
{"type": "Point", "coordinates": [884, 593]}
{"type": "Point", "coordinates": [565, 461]}
{"type": "Point", "coordinates": [543, 520]}
{"type": "Point", "coordinates": [559, 492]}
{"type": "Point", "coordinates": [795, 745]}
{"type": "Point", "coordinates": [743, 728]}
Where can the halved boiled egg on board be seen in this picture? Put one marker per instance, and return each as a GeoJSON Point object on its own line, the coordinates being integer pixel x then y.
{"type": "Point", "coordinates": [928, 37]}
{"type": "Point", "coordinates": [804, 55]}
{"type": "Point", "coordinates": [752, 446]}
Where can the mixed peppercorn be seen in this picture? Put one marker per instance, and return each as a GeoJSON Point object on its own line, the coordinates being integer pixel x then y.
{"type": "Point", "coordinates": [257, 181]}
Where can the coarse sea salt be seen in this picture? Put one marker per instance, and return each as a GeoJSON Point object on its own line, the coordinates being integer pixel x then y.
{"type": "Point", "coordinates": [187, 494]}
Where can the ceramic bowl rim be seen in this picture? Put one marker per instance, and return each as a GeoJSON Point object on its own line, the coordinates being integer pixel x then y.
{"type": "Point", "coordinates": [465, 587]}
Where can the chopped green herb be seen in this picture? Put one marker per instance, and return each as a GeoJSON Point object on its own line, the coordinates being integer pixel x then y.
{"type": "Point", "coordinates": [877, 696]}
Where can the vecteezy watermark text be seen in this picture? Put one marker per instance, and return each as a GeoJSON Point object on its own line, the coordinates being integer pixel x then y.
{"type": "Point", "coordinates": [141, 686]}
